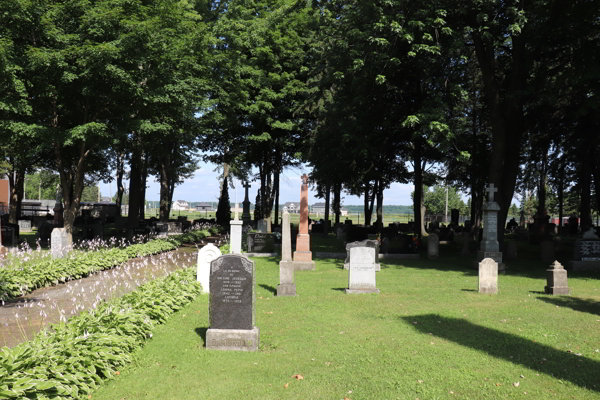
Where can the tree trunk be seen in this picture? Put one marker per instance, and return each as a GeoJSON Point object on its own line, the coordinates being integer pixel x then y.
{"type": "Point", "coordinates": [561, 192]}
{"type": "Point", "coordinates": [164, 161]}
{"type": "Point", "coordinates": [276, 188]}
{"type": "Point", "coordinates": [372, 204]}
{"type": "Point", "coordinates": [379, 222]}
{"type": "Point", "coordinates": [327, 202]}
{"type": "Point", "coordinates": [418, 196]}
{"type": "Point", "coordinates": [585, 183]}
{"type": "Point", "coordinates": [133, 220]}
{"type": "Point", "coordinates": [144, 179]}
{"type": "Point", "coordinates": [337, 189]}
{"type": "Point", "coordinates": [15, 180]}
{"type": "Point", "coordinates": [72, 186]}
{"type": "Point", "coordinates": [120, 188]}
{"type": "Point", "coordinates": [366, 204]}
{"type": "Point", "coordinates": [506, 119]}
{"type": "Point", "coordinates": [542, 187]}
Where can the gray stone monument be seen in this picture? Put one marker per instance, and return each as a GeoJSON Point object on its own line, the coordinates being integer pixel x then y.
{"type": "Point", "coordinates": [286, 286]}
{"type": "Point", "coordinates": [206, 255]}
{"type": "Point", "coordinates": [556, 279]}
{"type": "Point", "coordinates": [490, 248]}
{"type": "Point", "coordinates": [232, 309]}
{"type": "Point", "coordinates": [361, 275]}
{"type": "Point", "coordinates": [488, 276]}
{"type": "Point", "coordinates": [59, 240]}
{"type": "Point", "coordinates": [235, 236]}
{"type": "Point", "coordinates": [433, 246]}
{"type": "Point", "coordinates": [261, 226]}
{"type": "Point", "coordinates": [339, 233]}
{"type": "Point", "coordinates": [261, 242]}
{"type": "Point", "coordinates": [24, 225]}
{"type": "Point", "coordinates": [586, 253]}
{"type": "Point", "coordinates": [547, 250]}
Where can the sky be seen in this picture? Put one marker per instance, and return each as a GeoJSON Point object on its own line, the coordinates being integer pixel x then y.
{"type": "Point", "coordinates": [204, 186]}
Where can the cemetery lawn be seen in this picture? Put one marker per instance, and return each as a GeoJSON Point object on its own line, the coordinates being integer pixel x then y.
{"type": "Point", "coordinates": [428, 335]}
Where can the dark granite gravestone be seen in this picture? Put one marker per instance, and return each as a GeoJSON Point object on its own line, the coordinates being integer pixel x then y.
{"type": "Point", "coordinates": [455, 216]}
{"type": "Point", "coordinates": [232, 304]}
{"type": "Point", "coordinates": [261, 242]}
{"type": "Point", "coordinates": [356, 233]}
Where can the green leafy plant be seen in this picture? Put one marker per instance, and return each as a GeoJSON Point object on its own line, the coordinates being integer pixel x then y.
{"type": "Point", "coordinates": [73, 359]}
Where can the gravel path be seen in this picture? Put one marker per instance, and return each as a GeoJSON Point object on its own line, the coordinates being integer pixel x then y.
{"type": "Point", "coordinates": [22, 318]}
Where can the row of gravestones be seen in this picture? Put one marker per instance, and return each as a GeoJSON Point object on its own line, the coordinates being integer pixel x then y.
{"type": "Point", "coordinates": [586, 254]}
{"type": "Point", "coordinates": [487, 282]}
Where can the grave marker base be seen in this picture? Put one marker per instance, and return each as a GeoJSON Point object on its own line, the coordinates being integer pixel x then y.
{"type": "Point", "coordinates": [305, 265]}
{"type": "Point", "coordinates": [557, 290]}
{"type": "Point", "coordinates": [233, 339]}
{"type": "Point", "coordinates": [286, 289]}
{"type": "Point", "coordinates": [359, 291]}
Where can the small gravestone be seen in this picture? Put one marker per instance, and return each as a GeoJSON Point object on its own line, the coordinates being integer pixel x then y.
{"type": "Point", "coordinates": [175, 228]}
{"type": "Point", "coordinates": [232, 309]}
{"type": "Point", "coordinates": [206, 255]}
{"type": "Point", "coordinates": [59, 242]}
{"type": "Point", "coordinates": [547, 250]}
{"type": "Point", "coordinates": [488, 276]}
{"type": "Point", "coordinates": [433, 246]}
{"type": "Point", "coordinates": [465, 251]}
{"type": "Point", "coordinates": [8, 236]}
{"type": "Point", "coordinates": [261, 226]}
{"type": "Point", "coordinates": [24, 225]}
{"type": "Point", "coordinates": [261, 242]}
{"type": "Point", "coordinates": [556, 279]}
{"type": "Point", "coordinates": [162, 229]}
{"type": "Point", "coordinates": [385, 245]}
{"type": "Point", "coordinates": [339, 233]}
{"type": "Point", "coordinates": [235, 236]}
{"type": "Point", "coordinates": [286, 286]}
{"type": "Point", "coordinates": [361, 275]}
{"type": "Point", "coordinates": [511, 250]}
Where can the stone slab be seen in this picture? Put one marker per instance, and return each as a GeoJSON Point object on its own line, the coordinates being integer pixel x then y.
{"type": "Point", "coordinates": [235, 237]}
{"type": "Point", "coordinates": [233, 339]}
{"type": "Point", "coordinates": [261, 254]}
{"type": "Point", "coordinates": [261, 242]}
{"type": "Point", "coordinates": [286, 289]}
{"type": "Point", "coordinates": [232, 295]}
{"type": "Point", "coordinates": [487, 281]}
{"type": "Point", "coordinates": [361, 274]}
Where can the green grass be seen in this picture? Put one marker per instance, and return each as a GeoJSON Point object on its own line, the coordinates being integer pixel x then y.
{"type": "Point", "coordinates": [427, 335]}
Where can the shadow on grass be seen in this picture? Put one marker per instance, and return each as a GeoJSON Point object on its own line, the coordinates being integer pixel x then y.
{"type": "Point", "coordinates": [469, 290]}
{"type": "Point", "coordinates": [581, 371]}
{"type": "Point", "coordinates": [339, 289]}
{"type": "Point", "coordinates": [574, 303]}
{"type": "Point", "coordinates": [202, 333]}
{"type": "Point", "coordinates": [269, 288]}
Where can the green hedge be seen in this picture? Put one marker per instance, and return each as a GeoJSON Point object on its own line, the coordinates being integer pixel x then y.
{"type": "Point", "coordinates": [20, 279]}
{"type": "Point", "coordinates": [71, 361]}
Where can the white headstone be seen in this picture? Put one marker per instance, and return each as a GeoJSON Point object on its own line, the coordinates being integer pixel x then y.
{"type": "Point", "coordinates": [361, 275]}
{"type": "Point", "coordinates": [488, 276]}
{"type": "Point", "coordinates": [235, 245]}
{"type": "Point", "coordinates": [286, 286]}
{"type": "Point", "coordinates": [59, 242]}
{"type": "Point", "coordinates": [205, 256]}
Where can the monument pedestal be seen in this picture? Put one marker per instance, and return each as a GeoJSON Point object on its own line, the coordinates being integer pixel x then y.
{"type": "Point", "coordinates": [233, 339]}
{"type": "Point", "coordinates": [303, 256]}
{"type": "Point", "coordinates": [359, 291]}
{"type": "Point", "coordinates": [494, 255]}
{"type": "Point", "coordinates": [286, 286]}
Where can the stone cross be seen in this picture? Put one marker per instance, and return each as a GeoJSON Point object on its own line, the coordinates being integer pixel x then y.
{"type": "Point", "coordinates": [491, 191]}
{"type": "Point", "coordinates": [246, 205]}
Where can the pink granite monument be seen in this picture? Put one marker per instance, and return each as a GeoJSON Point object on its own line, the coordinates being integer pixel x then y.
{"type": "Point", "coordinates": [303, 256]}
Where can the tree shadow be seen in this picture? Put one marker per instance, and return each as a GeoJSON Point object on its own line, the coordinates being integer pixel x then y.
{"type": "Point", "coordinates": [581, 371]}
{"type": "Point", "coordinates": [574, 303]}
{"type": "Point", "coordinates": [269, 288]}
